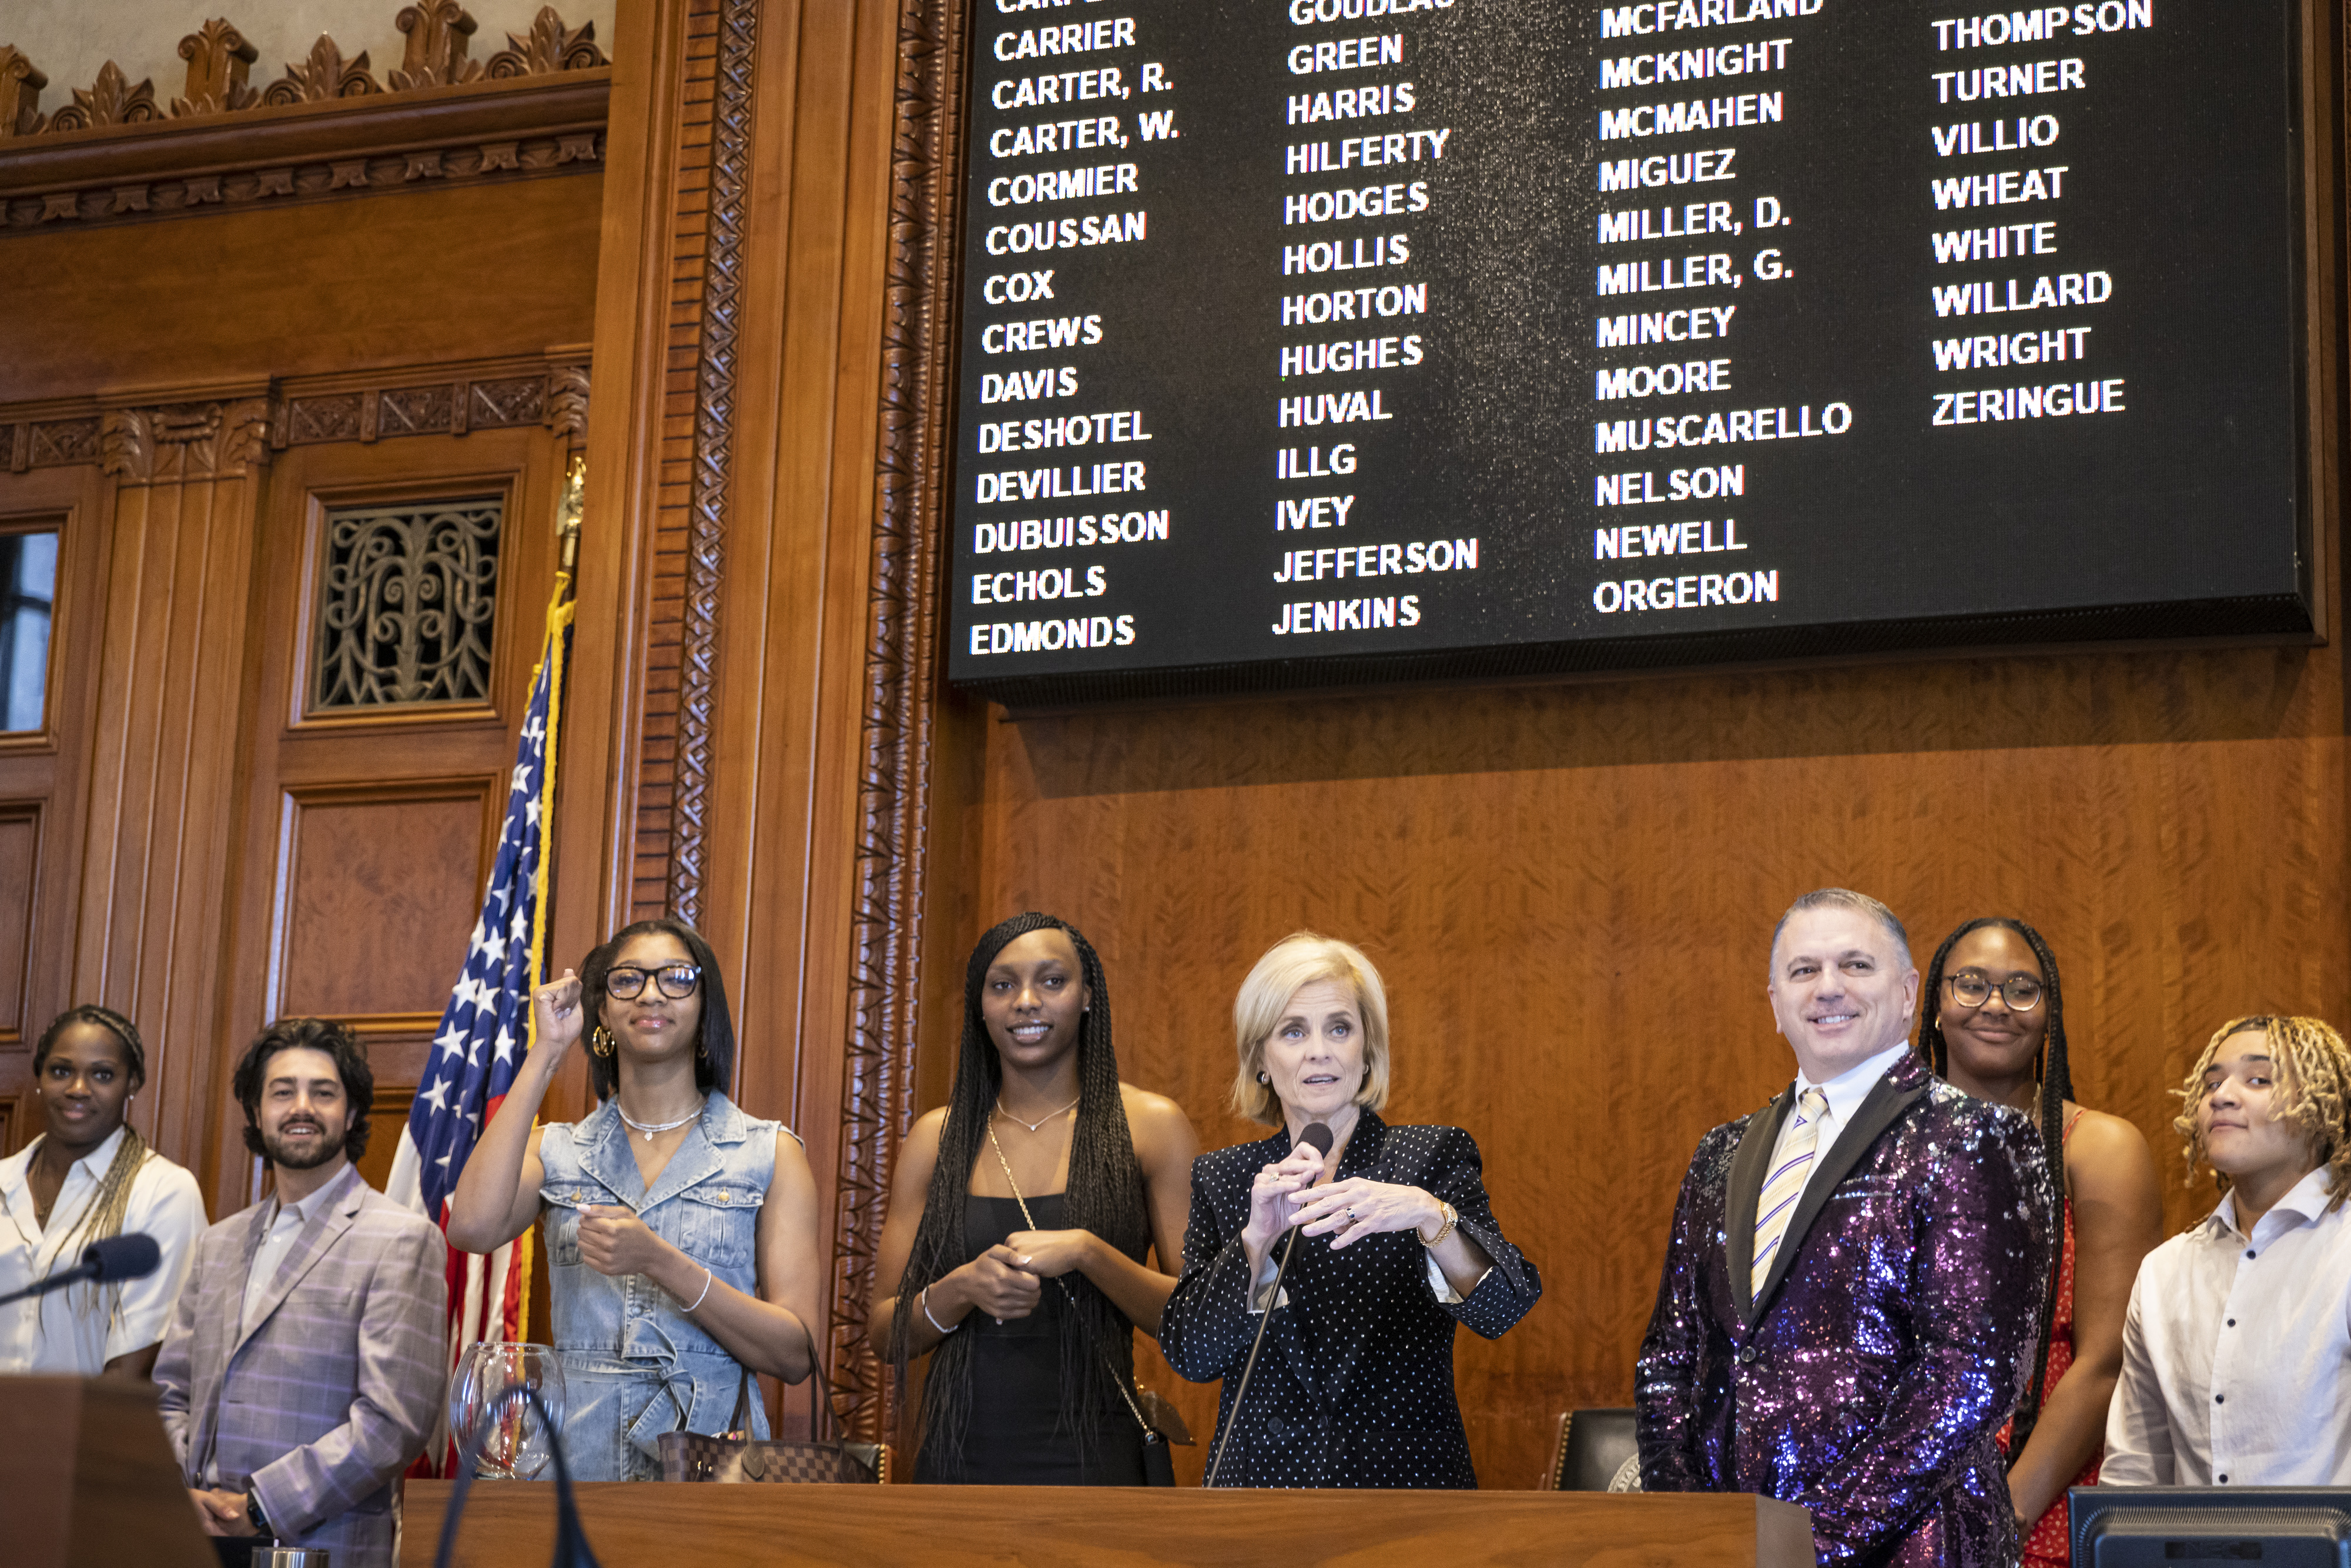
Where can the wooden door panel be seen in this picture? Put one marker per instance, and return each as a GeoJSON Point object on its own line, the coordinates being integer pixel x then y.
{"type": "Point", "coordinates": [20, 860]}
{"type": "Point", "coordinates": [381, 885]}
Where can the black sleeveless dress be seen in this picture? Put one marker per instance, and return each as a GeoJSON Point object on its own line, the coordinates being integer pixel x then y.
{"type": "Point", "coordinates": [1016, 1435]}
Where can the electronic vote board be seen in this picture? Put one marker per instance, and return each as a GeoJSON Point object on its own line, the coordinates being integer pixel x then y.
{"type": "Point", "coordinates": [1323, 341]}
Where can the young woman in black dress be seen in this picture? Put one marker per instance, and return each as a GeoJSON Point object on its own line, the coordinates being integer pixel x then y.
{"type": "Point", "coordinates": [1021, 1221]}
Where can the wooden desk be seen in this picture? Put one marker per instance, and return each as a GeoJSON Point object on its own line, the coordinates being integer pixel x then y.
{"type": "Point", "coordinates": [511, 1524]}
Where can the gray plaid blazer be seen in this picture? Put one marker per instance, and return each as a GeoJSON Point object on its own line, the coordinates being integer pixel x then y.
{"type": "Point", "coordinates": [322, 1403]}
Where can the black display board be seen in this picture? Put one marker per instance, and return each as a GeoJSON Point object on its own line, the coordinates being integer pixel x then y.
{"type": "Point", "coordinates": [1315, 342]}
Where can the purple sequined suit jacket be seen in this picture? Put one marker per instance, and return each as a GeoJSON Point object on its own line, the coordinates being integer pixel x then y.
{"type": "Point", "coordinates": [1870, 1375]}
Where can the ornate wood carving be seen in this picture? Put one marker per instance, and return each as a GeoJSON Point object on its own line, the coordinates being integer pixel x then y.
{"type": "Point", "coordinates": [521, 129]}
{"type": "Point", "coordinates": [440, 31]}
{"type": "Point", "coordinates": [109, 101]}
{"type": "Point", "coordinates": [21, 82]}
{"type": "Point", "coordinates": [550, 46]}
{"type": "Point", "coordinates": [438, 38]}
{"type": "Point", "coordinates": [181, 442]}
{"type": "Point", "coordinates": [326, 74]}
{"type": "Point", "coordinates": [900, 660]}
{"type": "Point", "coordinates": [407, 596]}
{"type": "Point", "coordinates": [567, 401]}
{"type": "Point", "coordinates": [714, 430]}
{"type": "Point", "coordinates": [218, 57]}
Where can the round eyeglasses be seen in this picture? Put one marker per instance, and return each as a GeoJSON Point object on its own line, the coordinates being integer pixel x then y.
{"type": "Point", "coordinates": [676, 980]}
{"type": "Point", "coordinates": [2021, 992]}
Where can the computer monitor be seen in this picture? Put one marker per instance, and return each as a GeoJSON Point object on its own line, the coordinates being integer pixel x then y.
{"type": "Point", "coordinates": [2209, 1527]}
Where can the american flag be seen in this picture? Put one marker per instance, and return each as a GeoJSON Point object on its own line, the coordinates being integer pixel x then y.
{"type": "Point", "coordinates": [485, 1030]}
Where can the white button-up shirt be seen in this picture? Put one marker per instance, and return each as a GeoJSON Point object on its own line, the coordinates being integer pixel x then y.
{"type": "Point", "coordinates": [82, 1327]}
{"type": "Point", "coordinates": [1846, 1093]}
{"type": "Point", "coordinates": [2235, 1351]}
{"type": "Point", "coordinates": [286, 1223]}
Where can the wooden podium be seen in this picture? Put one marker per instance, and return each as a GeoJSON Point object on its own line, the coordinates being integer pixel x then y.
{"type": "Point", "coordinates": [511, 1524]}
{"type": "Point", "coordinates": [87, 1480]}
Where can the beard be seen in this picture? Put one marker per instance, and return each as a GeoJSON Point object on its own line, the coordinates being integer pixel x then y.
{"type": "Point", "coordinates": [311, 1159]}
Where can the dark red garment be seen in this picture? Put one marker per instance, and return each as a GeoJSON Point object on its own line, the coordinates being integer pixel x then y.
{"type": "Point", "coordinates": [2050, 1545]}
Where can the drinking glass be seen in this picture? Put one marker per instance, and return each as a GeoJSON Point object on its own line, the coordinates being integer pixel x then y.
{"type": "Point", "coordinates": [518, 1442]}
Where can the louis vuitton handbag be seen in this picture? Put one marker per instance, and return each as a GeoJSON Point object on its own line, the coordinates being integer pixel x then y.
{"type": "Point", "coordinates": [692, 1456]}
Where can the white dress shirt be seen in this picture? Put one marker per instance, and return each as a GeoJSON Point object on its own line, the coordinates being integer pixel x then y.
{"type": "Point", "coordinates": [1846, 1093]}
{"type": "Point", "coordinates": [2235, 1351]}
{"type": "Point", "coordinates": [82, 1327]}
{"type": "Point", "coordinates": [286, 1223]}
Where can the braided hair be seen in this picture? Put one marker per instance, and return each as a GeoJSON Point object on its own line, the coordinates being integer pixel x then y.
{"type": "Point", "coordinates": [102, 1217]}
{"type": "Point", "coordinates": [1106, 1195]}
{"type": "Point", "coordinates": [2056, 1080]}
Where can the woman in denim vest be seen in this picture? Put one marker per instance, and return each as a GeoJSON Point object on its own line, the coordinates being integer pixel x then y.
{"type": "Point", "coordinates": [681, 1233]}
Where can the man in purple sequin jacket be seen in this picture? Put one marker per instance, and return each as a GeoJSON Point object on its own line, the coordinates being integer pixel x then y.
{"type": "Point", "coordinates": [1865, 1365]}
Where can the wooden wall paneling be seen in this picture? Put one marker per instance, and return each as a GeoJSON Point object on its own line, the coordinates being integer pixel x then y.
{"type": "Point", "coordinates": [611, 831]}
{"type": "Point", "coordinates": [155, 862]}
{"type": "Point", "coordinates": [1570, 891]}
{"type": "Point", "coordinates": [367, 834]}
{"type": "Point", "coordinates": [42, 778]}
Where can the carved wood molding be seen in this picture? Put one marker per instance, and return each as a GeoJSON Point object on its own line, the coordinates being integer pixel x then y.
{"type": "Point", "coordinates": [713, 432]}
{"type": "Point", "coordinates": [511, 127]}
{"type": "Point", "coordinates": [184, 443]}
{"type": "Point", "coordinates": [169, 439]}
{"type": "Point", "coordinates": [438, 35]}
{"type": "Point", "coordinates": [901, 662]}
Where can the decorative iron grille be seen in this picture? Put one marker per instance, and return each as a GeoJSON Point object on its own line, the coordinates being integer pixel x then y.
{"type": "Point", "coordinates": [406, 598]}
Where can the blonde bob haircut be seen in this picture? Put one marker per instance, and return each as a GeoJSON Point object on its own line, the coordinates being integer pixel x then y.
{"type": "Point", "coordinates": [2313, 1094]}
{"type": "Point", "coordinates": [1301, 959]}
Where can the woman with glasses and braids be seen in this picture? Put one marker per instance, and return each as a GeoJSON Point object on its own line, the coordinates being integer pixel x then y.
{"type": "Point", "coordinates": [1021, 1222]}
{"type": "Point", "coordinates": [90, 1177]}
{"type": "Point", "coordinates": [681, 1234]}
{"type": "Point", "coordinates": [1995, 1029]}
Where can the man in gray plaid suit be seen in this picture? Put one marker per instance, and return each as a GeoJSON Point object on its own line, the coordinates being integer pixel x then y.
{"type": "Point", "coordinates": [304, 1366]}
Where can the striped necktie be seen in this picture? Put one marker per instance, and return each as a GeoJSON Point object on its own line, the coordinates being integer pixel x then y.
{"type": "Point", "coordinates": [1777, 1204]}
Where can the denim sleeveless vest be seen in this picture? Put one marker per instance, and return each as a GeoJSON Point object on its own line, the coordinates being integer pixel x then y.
{"type": "Point", "coordinates": [634, 1365]}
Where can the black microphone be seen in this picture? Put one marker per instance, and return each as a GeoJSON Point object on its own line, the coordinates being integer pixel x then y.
{"type": "Point", "coordinates": [114, 1260]}
{"type": "Point", "coordinates": [1316, 1136]}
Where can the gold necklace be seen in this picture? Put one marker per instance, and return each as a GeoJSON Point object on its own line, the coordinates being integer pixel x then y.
{"type": "Point", "coordinates": [1040, 1122]}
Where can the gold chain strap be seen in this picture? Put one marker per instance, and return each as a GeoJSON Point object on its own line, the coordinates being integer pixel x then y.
{"type": "Point", "coordinates": [1072, 1296]}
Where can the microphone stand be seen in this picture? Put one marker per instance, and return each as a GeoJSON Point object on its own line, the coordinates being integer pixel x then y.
{"type": "Point", "coordinates": [1271, 1297]}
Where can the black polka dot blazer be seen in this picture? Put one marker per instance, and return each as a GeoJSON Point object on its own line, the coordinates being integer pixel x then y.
{"type": "Point", "coordinates": [1354, 1385]}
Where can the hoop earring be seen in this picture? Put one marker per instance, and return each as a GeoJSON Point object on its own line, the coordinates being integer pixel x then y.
{"type": "Point", "coordinates": [701, 1048]}
{"type": "Point", "coordinates": [600, 1041]}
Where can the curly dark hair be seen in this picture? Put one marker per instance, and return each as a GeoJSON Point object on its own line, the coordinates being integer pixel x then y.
{"type": "Point", "coordinates": [306, 1034]}
{"type": "Point", "coordinates": [714, 1060]}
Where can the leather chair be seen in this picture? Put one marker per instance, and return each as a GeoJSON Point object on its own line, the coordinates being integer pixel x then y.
{"type": "Point", "coordinates": [1593, 1447]}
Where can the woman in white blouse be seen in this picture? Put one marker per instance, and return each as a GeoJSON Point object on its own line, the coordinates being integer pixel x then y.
{"type": "Point", "coordinates": [90, 1177]}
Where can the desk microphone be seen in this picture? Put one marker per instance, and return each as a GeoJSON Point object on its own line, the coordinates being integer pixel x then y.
{"type": "Point", "coordinates": [1316, 1136]}
{"type": "Point", "coordinates": [114, 1260]}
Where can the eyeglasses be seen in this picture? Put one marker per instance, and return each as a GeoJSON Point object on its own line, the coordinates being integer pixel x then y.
{"type": "Point", "coordinates": [676, 980]}
{"type": "Point", "coordinates": [2021, 992]}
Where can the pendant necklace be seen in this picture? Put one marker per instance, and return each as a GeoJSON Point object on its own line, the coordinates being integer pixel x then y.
{"type": "Point", "coordinates": [650, 1128]}
{"type": "Point", "coordinates": [1009, 1116]}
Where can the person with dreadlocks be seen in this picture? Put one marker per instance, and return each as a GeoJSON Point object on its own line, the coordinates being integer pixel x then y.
{"type": "Point", "coordinates": [1995, 1028]}
{"type": "Point", "coordinates": [88, 1176]}
{"type": "Point", "coordinates": [1015, 1250]}
{"type": "Point", "coordinates": [2237, 1347]}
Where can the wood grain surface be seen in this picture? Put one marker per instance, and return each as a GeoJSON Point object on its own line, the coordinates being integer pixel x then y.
{"type": "Point", "coordinates": [1570, 891]}
{"type": "Point", "coordinates": [647, 1525]}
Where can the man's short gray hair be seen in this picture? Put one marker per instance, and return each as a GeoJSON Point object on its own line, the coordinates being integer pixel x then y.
{"type": "Point", "coordinates": [1844, 898]}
